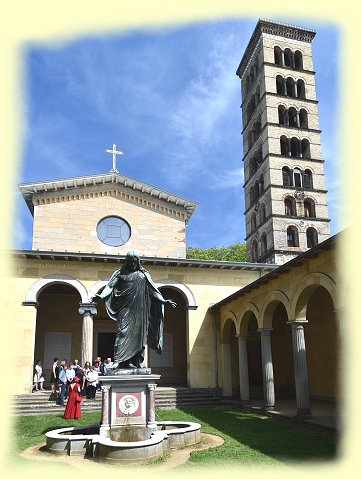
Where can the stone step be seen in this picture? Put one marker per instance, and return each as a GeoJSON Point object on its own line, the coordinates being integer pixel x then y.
{"type": "Point", "coordinates": [166, 397]}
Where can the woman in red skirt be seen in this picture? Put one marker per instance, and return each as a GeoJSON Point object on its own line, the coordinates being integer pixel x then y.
{"type": "Point", "coordinates": [73, 409]}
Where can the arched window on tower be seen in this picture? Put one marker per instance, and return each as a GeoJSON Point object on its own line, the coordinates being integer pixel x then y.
{"type": "Point", "coordinates": [312, 237]}
{"type": "Point", "coordinates": [309, 208]}
{"type": "Point", "coordinates": [278, 56]}
{"type": "Point", "coordinates": [290, 206]}
{"type": "Point", "coordinates": [295, 146]}
{"type": "Point", "coordinates": [253, 166]}
{"type": "Point", "coordinates": [297, 178]}
{"type": "Point", "coordinates": [253, 223]}
{"type": "Point", "coordinates": [262, 213]}
{"type": "Point", "coordinates": [254, 251]}
{"type": "Point", "coordinates": [263, 244]}
{"type": "Point", "coordinates": [256, 191]}
{"type": "Point", "coordinates": [258, 95]}
{"type": "Point", "coordinates": [305, 149]}
{"type": "Point", "coordinates": [288, 58]}
{"type": "Point", "coordinates": [282, 115]}
{"type": "Point", "coordinates": [307, 179]}
{"type": "Point", "coordinates": [280, 82]}
{"type": "Point", "coordinates": [251, 196]}
{"type": "Point", "coordinates": [298, 60]}
{"type": "Point", "coordinates": [290, 87]}
{"type": "Point", "coordinates": [301, 91]}
{"type": "Point", "coordinates": [250, 140]}
{"type": "Point", "coordinates": [292, 115]}
{"type": "Point", "coordinates": [249, 111]}
{"type": "Point", "coordinates": [257, 127]}
{"type": "Point", "coordinates": [258, 155]}
{"type": "Point", "coordinates": [303, 118]}
{"type": "Point", "coordinates": [286, 176]}
{"type": "Point", "coordinates": [285, 148]}
{"type": "Point", "coordinates": [292, 236]}
{"type": "Point", "coordinates": [261, 185]}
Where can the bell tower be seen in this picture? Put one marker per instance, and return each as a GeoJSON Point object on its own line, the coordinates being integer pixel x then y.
{"type": "Point", "coordinates": [285, 196]}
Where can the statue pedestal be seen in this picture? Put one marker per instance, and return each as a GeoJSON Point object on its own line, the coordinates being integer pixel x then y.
{"type": "Point", "coordinates": [128, 403]}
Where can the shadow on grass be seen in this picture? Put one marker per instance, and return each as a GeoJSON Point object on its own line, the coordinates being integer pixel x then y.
{"type": "Point", "coordinates": [275, 438]}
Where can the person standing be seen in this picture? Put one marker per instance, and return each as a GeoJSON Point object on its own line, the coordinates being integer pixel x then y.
{"type": "Point", "coordinates": [84, 384]}
{"type": "Point", "coordinates": [77, 368]}
{"type": "Point", "coordinates": [108, 363]}
{"type": "Point", "coordinates": [54, 376]}
{"type": "Point", "coordinates": [70, 373]}
{"type": "Point", "coordinates": [92, 381]}
{"type": "Point", "coordinates": [62, 382]}
{"type": "Point", "coordinates": [73, 406]}
{"type": "Point", "coordinates": [38, 377]}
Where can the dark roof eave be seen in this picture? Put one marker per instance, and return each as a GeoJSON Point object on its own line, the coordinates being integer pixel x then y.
{"type": "Point", "coordinates": [146, 260]}
{"type": "Point", "coordinates": [298, 260]}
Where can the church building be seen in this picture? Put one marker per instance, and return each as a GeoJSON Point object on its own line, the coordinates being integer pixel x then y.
{"type": "Point", "coordinates": [268, 328]}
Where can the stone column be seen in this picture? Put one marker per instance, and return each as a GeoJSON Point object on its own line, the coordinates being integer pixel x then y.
{"type": "Point", "coordinates": [151, 405]}
{"type": "Point", "coordinates": [340, 323]}
{"type": "Point", "coordinates": [31, 329]}
{"type": "Point", "coordinates": [267, 368]}
{"type": "Point", "coordinates": [104, 423]}
{"type": "Point", "coordinates": [243, 367]}
{"type": "Point", "coordinates": [88, 310]}
{"type": "Point", "coordinates": [300, 367]}
{"type": "Point", "coordinates": [226, 368]}
{"type": "Point", "coordinates": [282, 58]}
{"type": "Point", "coordinates": [298, 119]}
{"type": "Point", "coordinates": [295, 90]}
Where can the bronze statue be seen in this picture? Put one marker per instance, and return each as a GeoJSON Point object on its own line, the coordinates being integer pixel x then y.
{"type": "Point", "coordinates": [132, 299]}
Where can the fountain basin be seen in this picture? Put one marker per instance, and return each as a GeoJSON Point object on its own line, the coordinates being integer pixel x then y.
{"type": "Point", "coordinates": [152, 443]}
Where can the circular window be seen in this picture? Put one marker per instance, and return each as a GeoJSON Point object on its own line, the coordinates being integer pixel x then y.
{"type": "Point", "coordinates": [113, 231]}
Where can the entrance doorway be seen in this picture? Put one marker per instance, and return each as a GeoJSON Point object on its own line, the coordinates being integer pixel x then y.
{"type": "Point", "coordinates": [106, 345]}
{"type": "Point", "coordinates": [172, 363]}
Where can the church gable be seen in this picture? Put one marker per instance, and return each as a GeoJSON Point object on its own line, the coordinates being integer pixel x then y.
{"type": "Point", "coordinates": [109, 214]}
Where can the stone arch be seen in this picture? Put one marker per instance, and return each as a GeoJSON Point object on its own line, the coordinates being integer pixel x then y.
{"type": "Point", "coordinates": [244, 317]}
{"type": "Point", "coordinates": [230, 356]}
{"type": "Point", "coordinates": [230, 317]}
{"type": "Point", "coordinates": [174, 284]}
{"type": "Point", "coordinates": [272, 299]}
{"type": "Point", "coordinates": [305, 288]}
{"type": "Point", "coordinates": [42, 283]}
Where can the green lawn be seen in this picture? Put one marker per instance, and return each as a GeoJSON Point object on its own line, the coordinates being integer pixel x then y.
{"type": "Point", "coordinates": [249, 438]}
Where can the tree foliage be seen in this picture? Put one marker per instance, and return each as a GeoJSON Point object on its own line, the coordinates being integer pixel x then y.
{"type": "Point", "coordinates": [234, 252]}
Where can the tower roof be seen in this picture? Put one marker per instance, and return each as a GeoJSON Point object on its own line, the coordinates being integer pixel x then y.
{"type": "Point", "coordinates": [80, 182]}
{"type": "Point", "coordinates": [273, 28]}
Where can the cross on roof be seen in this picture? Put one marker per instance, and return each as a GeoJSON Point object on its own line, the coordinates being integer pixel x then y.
{"type": "Point", "coordinates": [115, 152]}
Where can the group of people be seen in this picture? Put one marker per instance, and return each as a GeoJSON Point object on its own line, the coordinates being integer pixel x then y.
{"type": "Point", "coordinates": [72, 381]}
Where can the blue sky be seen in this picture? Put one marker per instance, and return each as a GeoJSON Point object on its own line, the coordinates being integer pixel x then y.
{"type": "Point", "coordinates": [170, 100]}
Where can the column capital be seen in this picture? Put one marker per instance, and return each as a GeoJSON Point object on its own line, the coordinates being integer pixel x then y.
{"type": "Point", "coordinates": [105, 388]}
{"type": "Point", "coordinates": [30, 303]}
{"type": "Point", "coordinates": [87, 308]}
{"type": "Point", "coordinates": [297, 322]}
{"type": "Point", "coordinates": [242, 335]}
{"type": "Point", "coordinates": [265, 331]}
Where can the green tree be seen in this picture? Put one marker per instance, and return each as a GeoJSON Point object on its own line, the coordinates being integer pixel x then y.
{"type": "Point", "coordinates": [234, 252]}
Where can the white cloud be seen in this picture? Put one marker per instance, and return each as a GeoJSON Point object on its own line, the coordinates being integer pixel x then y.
{"type": "Point", "coordinates": [204, 104]}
